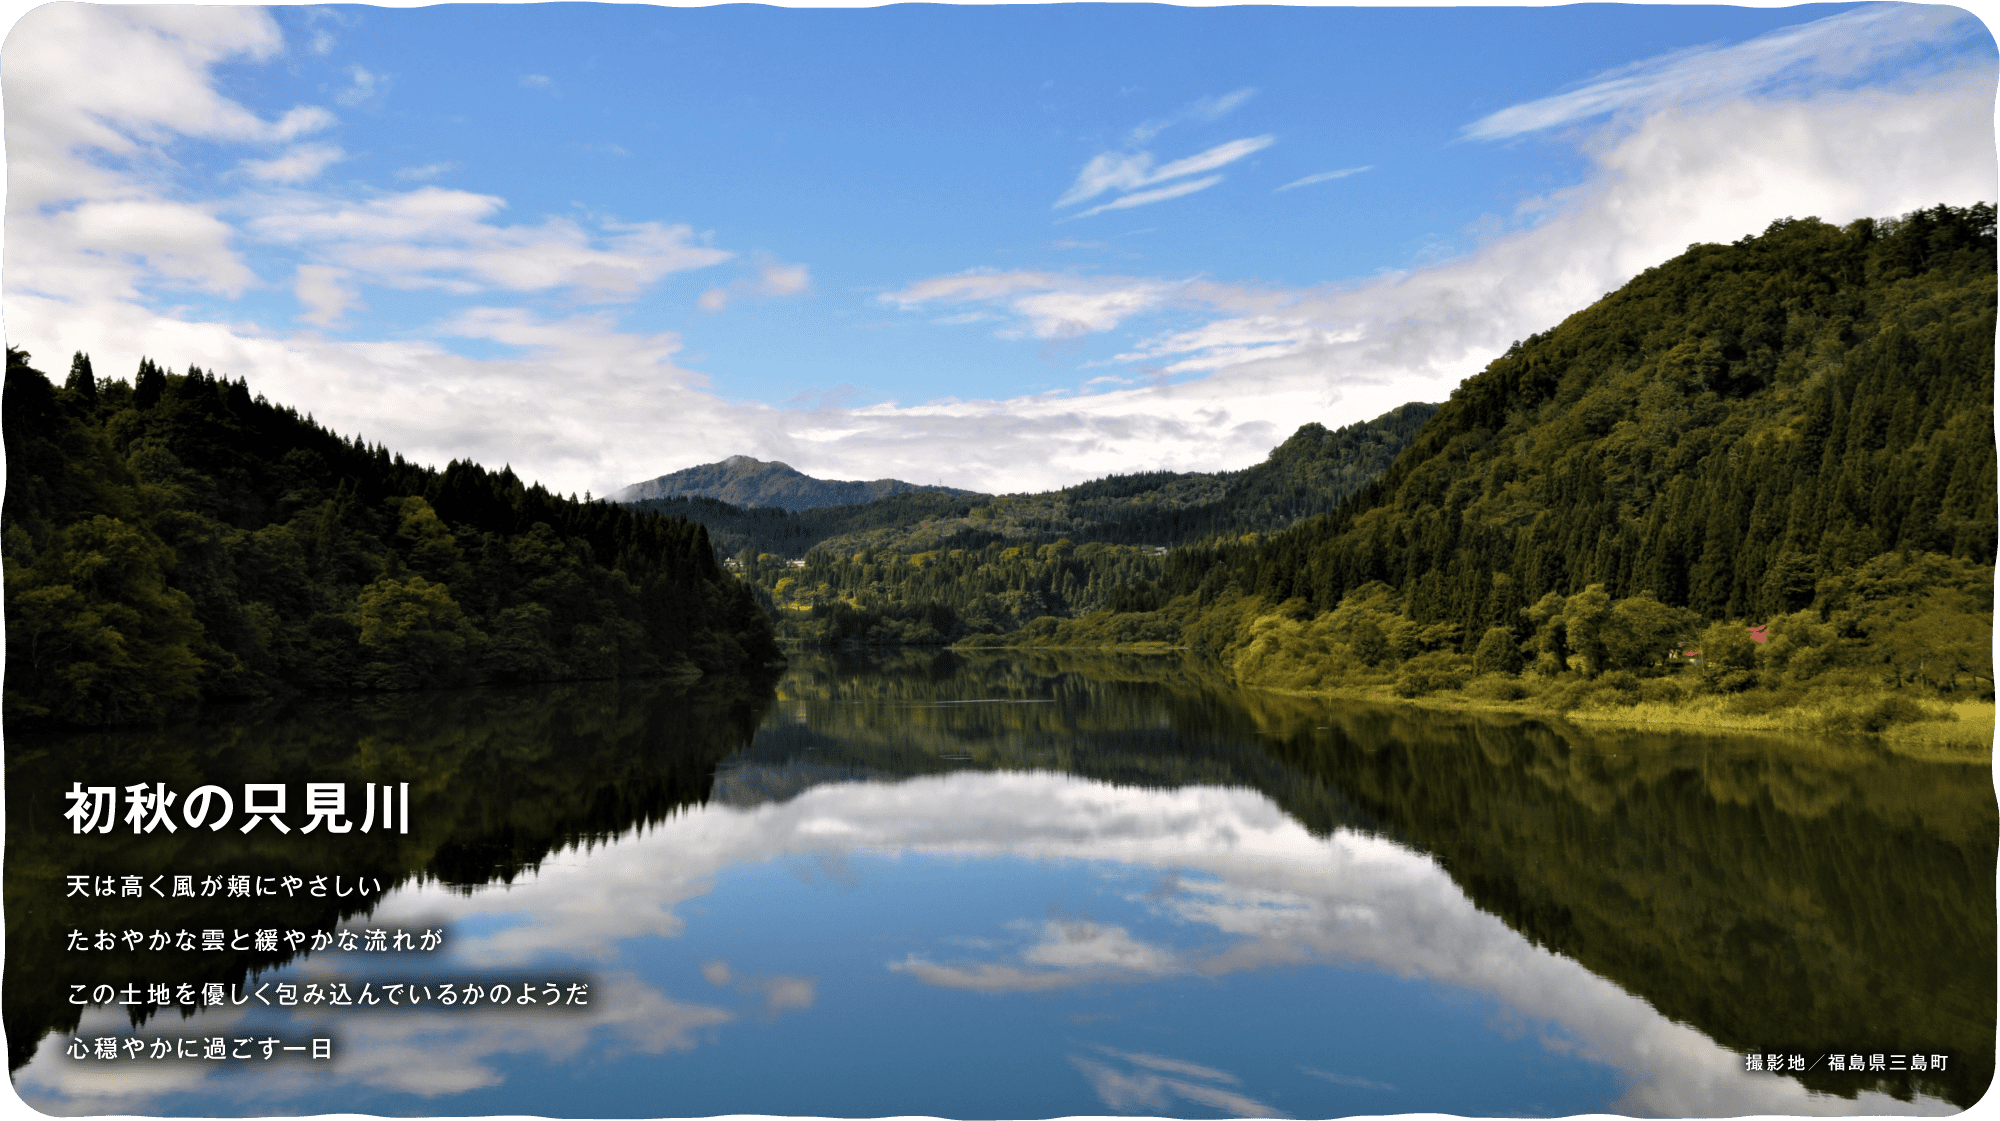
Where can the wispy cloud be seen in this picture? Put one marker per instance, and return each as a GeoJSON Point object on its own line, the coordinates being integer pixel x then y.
{"type": "Point", "coordinates": [323, 41]}
{"type": "Point", "coordinates": [540, 82]}
{"type": "Point", "coordinates": [443, 239]}
{"type": "Point", "coordinates": [297, 165]}
{"type": "Point", "coordinates": [1047, 305]}
{"type": "Point", "coordinates": [1130, 171]}
{"type": "Point", "coordinates": [427, 171]}
{"type": "Point", "coordinates": [324, 292]}
{"type": "Point", "coordinates": [1347, 1080]}
{"type": "Point", "coordinates": [1919, 39]}
{"type": "Point", "coordinates": [1202, 109]}
{"type": "Point", "coordinates": [780, 992]}
{"type": "Point", "coordinates": [1158, 194]}
{"type": "Point", "coordinates": [104, 238]}
{"type": "Point", "coordinates": [1146, 1090]}
{"type": "Point", "coordinates": [1171, 1066]}
{"type": "Point", "coordinates": [1324, 176]}
{"type": "Point", "coordinates": [772, 279]}
{"type": "Point", "coordinates": [364, 88]}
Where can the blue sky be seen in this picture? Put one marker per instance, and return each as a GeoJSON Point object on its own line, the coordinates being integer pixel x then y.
{"type": "Point", "coordinates": [1000, 247]}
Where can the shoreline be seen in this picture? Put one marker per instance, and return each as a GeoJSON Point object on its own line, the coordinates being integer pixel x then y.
{"type": "Point", "coordinates": [1929, 739]}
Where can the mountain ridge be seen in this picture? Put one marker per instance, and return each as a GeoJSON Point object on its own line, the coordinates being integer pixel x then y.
{"type": "Point", "coordinates": [746, 481]}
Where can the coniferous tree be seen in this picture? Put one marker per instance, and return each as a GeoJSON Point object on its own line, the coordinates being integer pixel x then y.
{"type": "Point", "coordinates": [81, 380]}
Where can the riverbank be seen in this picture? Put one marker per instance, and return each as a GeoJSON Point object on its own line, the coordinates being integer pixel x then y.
{"type": "Point", "coordinates": [1906, 721]}
{"type": "Point", "coordinates": [1932, 729]}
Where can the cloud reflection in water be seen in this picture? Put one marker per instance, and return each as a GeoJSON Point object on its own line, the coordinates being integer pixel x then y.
{"type": "Point", "coordinates": [1250, 886]}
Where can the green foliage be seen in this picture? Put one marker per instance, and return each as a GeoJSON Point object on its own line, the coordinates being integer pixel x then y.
{"type": "Point", "coordinates": [1310, 473]}
{"type": "Point", "coordinates": [1726, 648]}
{"type": "Point", "coordinates": [1919, 618]}
{"type": "Point", "coordinates": [95, 635]}
{"type": "Point", "coordinates": [746, 482]}
{"type": "Point", "coordinates": [178, 540]}
{"type": "Point", "coordinates": [1497, 652]}
{"type": "Point", "coordinates": [1722, 431]}
{"type": "Point", "coordinates": [1796, 428]}
{"type": "Point", "coordinates": [413, 634]}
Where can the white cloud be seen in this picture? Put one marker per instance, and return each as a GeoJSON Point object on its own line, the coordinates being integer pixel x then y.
{"type": "Point", "coordinates": [1837, 47]}
{"type": "Point", "coordinates": [435, 237]}
{"type": "Point", "coordinates": [1054, 305]}
{"type": "Point", "coordinates": [1071, 943]}
{"type": "Point", "coordinates": [428, 1054]}
{"type": "Point", "coordinates": [540, 82]}
{"type": "Point", "coordinates": [1202, 109]}
{"type": "Point", "coordinates": [1340, 353]}
{"type": "Point", "coordinates": [86, 232]}
{"type": "Point", "coordinates": [1170, 1065]}
{"type": "Point", "coordinates": [1129, 171]}
{"type": "Point", "coordinates": [1211, 159]}
{"type": "Point", "coordinates": [1147, 1092]}
{"type": "Point", "coordinates": [781, 993]}
{"type": "Point", "coordinates": [426, 171]}
{"type": "Point", "coordinates": [1259, 890]}
{"type": "Point", "coordinates": [1347, 1079]}
{"type": "Point", "coordinates": [1324, 176]}
{"type": "Point", "coordinates": [325, 293]}
{"type": "Point", "coordinates": [1107, 171]}
{"type": "Point", "coordinates": [1159, 194]}
{"type": "Point", "coordinates": [158, 88]}
{"type": "Point", "coordinates": [364, 87]}
{"type": "Point", "coordinates": [296, 165]}
{"type": "Point", "coordinates": [965, 317]}
{"type": "Point", "coordinates": [772, 279]}
{"type": "Point", "coordinates": [93, 241]}
{"type": "Point", "coordinates": [322, 41]}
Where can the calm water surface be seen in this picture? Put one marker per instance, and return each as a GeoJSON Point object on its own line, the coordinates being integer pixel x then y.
{"type": "Point", "coordinates": [1018, 888]}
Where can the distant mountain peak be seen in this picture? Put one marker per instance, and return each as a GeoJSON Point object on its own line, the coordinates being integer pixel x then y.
{"type": "Point", "coordinates": [742, 480]}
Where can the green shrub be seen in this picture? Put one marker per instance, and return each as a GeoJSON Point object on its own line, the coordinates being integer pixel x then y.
{"type": "Point", "coordinates": [1496, 687]}
{"type": "Point", "coordinates": [1663, 690]}
{"type": "Point", "coordinates": [1897, 709]}
{"type": "Point", "coordinates": [1430, 673]}
{"type": "Point", "coordinates": [1734, 681]}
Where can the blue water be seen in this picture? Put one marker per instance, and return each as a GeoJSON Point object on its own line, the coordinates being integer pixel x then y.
{"type": "Point", "coordinates": [1318, 1039]}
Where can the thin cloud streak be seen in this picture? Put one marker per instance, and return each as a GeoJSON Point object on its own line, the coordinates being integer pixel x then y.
{"type": "Point", "coordinates": [1200, 109]}
{"type": "Point", "coordinates": [1837, 47]}
{"type": "Point", "coordinates": [1161, 194]}
{"type": "Point", "coordinates": [1129, 171]}
{"type": "Point", "coordinates": [1324, 176]}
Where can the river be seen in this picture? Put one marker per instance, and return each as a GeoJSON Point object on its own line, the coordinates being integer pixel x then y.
{"type": "Point", "coordinates": [921, 883]}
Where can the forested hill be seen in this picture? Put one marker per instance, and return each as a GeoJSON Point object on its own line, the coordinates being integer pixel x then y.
{"type": "Point", "coordinates": [743, 481]}
{"type": "Point", "coordinates": [934, 568]}
{"type": "Point", "coordinates": [175, 540]}
{"type": "Point", "coordinates": [1310, 473]}
{"type": "Point", "coordinates": [1791, 433]}
{"type": "Point", "coordinates": [1724, 431]}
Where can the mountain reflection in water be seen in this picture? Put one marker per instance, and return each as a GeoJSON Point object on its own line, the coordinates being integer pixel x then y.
{"type": "Point", "coordinates": [1144, 892]}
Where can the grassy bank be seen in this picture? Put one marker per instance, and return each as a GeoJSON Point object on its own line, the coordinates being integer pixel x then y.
{"type": "Point", "coordinates": [1909, 720]}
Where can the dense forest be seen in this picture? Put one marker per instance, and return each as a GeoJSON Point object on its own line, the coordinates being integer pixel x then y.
{"type": "Point", "coordinates": [934, 568]}
{"type": "Point", "coordinates": [1308, 474]}
{"type": "Point", "coordinates": [175, 540]}
{"type": "Point", "coordinates": [1773, 459]}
